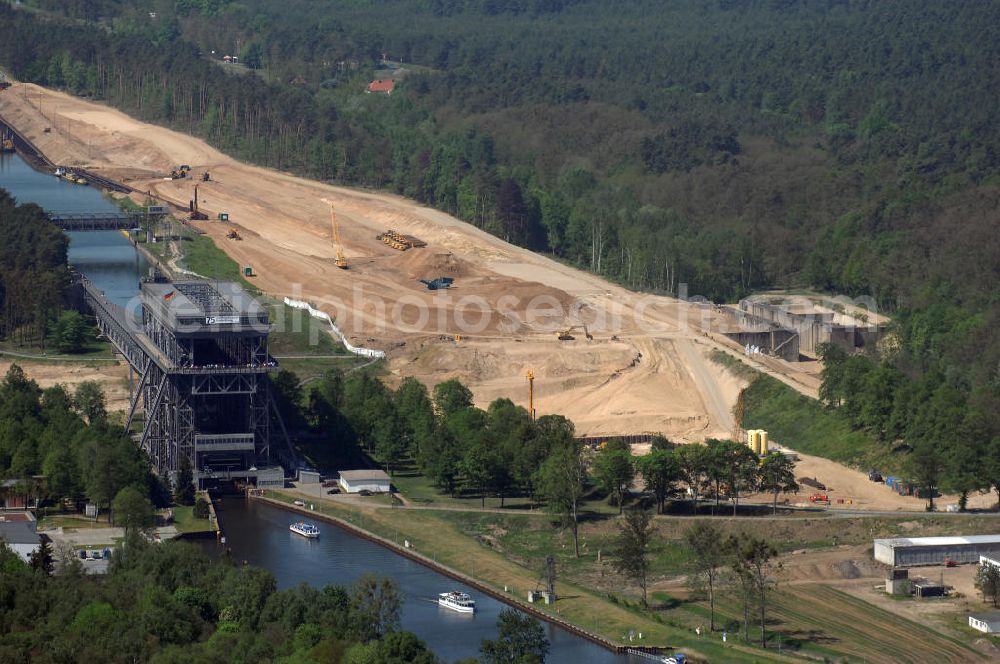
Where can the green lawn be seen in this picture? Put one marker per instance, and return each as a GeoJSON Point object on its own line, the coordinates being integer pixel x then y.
{"type": "Point", "coordinates": [185, 521]}
{"type": "Point", "coordinates": [67, 521]}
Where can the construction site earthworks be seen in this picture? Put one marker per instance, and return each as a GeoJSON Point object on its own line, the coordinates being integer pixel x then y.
{"type": "Point", "coordinates": [442, 298]}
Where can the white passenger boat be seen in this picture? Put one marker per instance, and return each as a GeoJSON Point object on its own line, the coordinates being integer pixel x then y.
{"type": "Point", "coordinates": [457, 601]}
{"type": "Point", "coordinates": [305, 529]}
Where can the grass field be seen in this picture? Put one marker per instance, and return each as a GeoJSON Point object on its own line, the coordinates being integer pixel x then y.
{"type": "Point", "coordinates": [803, 424]}
{"type": "Point", "coordinates": [820, 618]}
{"type": "Point", "coordinates": [185, 521]}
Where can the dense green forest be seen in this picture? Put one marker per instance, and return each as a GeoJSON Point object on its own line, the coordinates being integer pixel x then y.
{"type": "Point", "coordinates": [67, 438]}
{"type": "Point", "coordinates": [842, 145]}
{"type": "Point", "coordinates": [169, 603]}
{"type": "Point", "coordinates": [33, 271]}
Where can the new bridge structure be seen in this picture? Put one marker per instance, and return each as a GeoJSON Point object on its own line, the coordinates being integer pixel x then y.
{"type": "Point", "coordinates": [105, 221]}
{"type": "Point", "coordinates": [200, 352]}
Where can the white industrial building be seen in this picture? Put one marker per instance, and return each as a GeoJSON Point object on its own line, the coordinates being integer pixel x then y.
{"type": "Point", "coordinates": [353, 481]}
{"type": "Point", "coordinates": [985, 622]}
{"type": "Point", "coordinates": [909, 551]}
{"type": "Point", "coordinates": [17, 531]}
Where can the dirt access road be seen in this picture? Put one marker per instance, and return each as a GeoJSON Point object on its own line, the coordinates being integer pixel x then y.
{"type": "Point", "coordinates": [645, 370]}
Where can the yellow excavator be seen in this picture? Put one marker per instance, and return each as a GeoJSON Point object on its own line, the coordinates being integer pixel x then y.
{"type": "Point", "coordinates": [567, 334]}
{"type": "Point", "coordinates": [341, 260]}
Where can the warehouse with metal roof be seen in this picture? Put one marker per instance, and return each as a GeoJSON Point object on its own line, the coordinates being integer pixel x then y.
{"type": "Point", "coordinates": [909, 551]}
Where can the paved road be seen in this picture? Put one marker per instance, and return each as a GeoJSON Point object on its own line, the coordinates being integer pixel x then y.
{"type": "Point", "coordinates": [711, 396]}
{"type": "Point", "coordinates": [315, 492]}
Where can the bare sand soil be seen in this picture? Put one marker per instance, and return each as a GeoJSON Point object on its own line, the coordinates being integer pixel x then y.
{"type": "Point", "coordinates": [113, 378]}
{"type": "Point", "coordinates": [645, 370]}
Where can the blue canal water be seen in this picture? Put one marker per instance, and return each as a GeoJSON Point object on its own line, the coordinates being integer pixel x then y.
{"type": "Point", "coordinates": [106, 257]}
{"type": "Point", "coordinates": [259, 533]}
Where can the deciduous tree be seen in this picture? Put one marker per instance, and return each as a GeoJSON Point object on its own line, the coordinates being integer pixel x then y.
{"type": "Point", "coordinates": [632, 545]}
{"type": "Point", "coordinates": [521, 640]}
{"type": "Point", "coordinates": [562, 482]}
{"type": "Point", "coordinates": [777, 475]}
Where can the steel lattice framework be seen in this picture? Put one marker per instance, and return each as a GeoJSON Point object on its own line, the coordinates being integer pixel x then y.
{"type": "Point", "coordinates": [204, 390]}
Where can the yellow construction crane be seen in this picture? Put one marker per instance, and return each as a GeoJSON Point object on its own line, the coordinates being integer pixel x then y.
{"type": "Point", "coordinates": [341, 260]}
{"type": "Point", "coordinates": [531, 393]}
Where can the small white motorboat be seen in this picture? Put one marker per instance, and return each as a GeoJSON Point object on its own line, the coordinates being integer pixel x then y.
{"type": "Point", "coordinates": [457, 601]}
{"type": "Point", "coordinates": [305, 529]}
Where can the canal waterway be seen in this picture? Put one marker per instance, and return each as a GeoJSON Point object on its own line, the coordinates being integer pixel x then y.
{"type": "Point", "coordinates": [259, 533]}
{"type": "Point", "coordinates": [107, 258]}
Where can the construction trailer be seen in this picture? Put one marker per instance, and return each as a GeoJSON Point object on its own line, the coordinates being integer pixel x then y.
{"type": "Point", "coordinates": [913, 551]}
{"type": "Point", "coordinates": [923, 589]}
{"type": "Point", "coordinates": [985, 622]}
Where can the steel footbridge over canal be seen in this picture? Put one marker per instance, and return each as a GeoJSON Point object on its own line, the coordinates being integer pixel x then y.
{"type": "Point", "coordinates": [200, 352]}
{"type": "Point", "coordinates": [99, 221]}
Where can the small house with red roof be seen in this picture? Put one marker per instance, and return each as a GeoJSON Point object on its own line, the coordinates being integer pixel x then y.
{"type": "Point", "coordinates": [381, 85]}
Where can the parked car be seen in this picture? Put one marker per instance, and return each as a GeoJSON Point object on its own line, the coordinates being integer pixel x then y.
{"type": "Point", "coordinates": [364, 492]}
{"type": "Point", "coordinates": [299, 503]}
{"type": "Point", "coordinates": [96, 554]}
{"type": "Point", "coordinates": [333, 491]}
{"type": "Point", "coordinates": [83, 554]}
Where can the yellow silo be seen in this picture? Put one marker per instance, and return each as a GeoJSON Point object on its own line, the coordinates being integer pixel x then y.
{"type": "Point", "coordinates": [763, 442]}
{"type": "Point", "coordinates": [753, 440]}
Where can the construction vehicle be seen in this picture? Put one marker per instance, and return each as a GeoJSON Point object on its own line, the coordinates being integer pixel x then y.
{"type": "Point", "coordinates": [438, 284]}
{"type": "Point", "coordinates": [205, 177]}
{"type": "Point", "coordinates": [196, 214]}
{"type": "Point", "coordinates": [819, 498]}
{"type": "Point", "coordinates": [340, 260]}
{"type": "Point", "coordinates": [399, 241]}
{"type": "Point", "coordinates": [177, 175]}
{"type": "Point", "coordinates": [567, 334]}
{"type": "Point", "coordinates": [233, 235]}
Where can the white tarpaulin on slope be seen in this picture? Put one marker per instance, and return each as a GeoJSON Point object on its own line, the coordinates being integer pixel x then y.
{"type": "Point", "coordinates": [315, 313]}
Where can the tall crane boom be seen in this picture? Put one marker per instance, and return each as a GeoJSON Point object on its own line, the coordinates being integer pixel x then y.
{"type": "Point", "coordinates": [341, 260]}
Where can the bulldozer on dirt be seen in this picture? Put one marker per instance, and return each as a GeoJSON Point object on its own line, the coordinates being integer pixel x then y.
{"type": "Point", "coordinates": [205, 177]}
{"type": "Point", "coordinates": [233, 235]}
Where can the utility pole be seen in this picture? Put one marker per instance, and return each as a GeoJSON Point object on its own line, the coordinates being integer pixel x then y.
{"type": "Point", "coordinates": [531, 393]}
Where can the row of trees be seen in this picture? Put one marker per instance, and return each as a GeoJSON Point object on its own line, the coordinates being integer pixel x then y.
{"type": "Point", "coordinates": [742, 563]}
{"type": "Point", "coordinates": [745, 563]}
